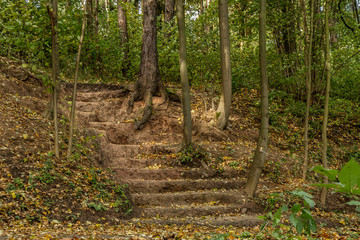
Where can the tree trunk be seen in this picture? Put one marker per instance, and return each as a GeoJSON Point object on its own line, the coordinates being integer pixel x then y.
{"type": "Point", "coordinates": [260, 154]}
{"type": "Point", "coordinates": [223, 111]}
{"type": "Point", "coordinates": [169, 10]}
{"type": "Point", "coordinates": [73, 104]}
{"type": "Point", "coordinates": [327, 96]}
{"type": "Point", "coordinates": [90, 19]}
{"type": "Point", "coordinates": [201, 7]}
{"type": "Point", "coordinates": [149, 81]}
{"type": "Point", "coordinates": [308, 87]}
{"type": "Point", "coordinates": [122, 22]}
{"type": "Point", "coordinates": [107, 10]}
{"type": "Point", "coordinates": [53, 106]}
{"type": "Point", "coordinates": [180, 13]}
{"type": "Point", "coordinates": [96, 17]}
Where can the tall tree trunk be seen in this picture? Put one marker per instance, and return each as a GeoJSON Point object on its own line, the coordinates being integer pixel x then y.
{"type": "Point", "coordinates": [260, 153]}
{"type": "Point", "coordinates": [327, 96]}
{"type": "Point", "coordinates": [356, 12]}
{"type": "Point", "coordinates": [308, 87]}
{"type": "Point", "coordinates": [169, 10]}
{"type": "Point", "coordinates": [96, 17]}
{"type": "Point", "coordinates": [73, 104]}
{"type": "Point", "coordinates": [180, 13]}
{"type": "Point", "coordinates": [223, 111]}
{"type": "Point", "coordinates": [53, 106]}
{"type": "Point", "coordinates": [149, 81]}
{"type": "Point", "coordinates": [201, 7]}
{"type": "Point", "coordinates": [124, 37]}
{"type": "Point", "coordinates": [107, 10]}
{"type": "Point", "coordinates": [89, 16]}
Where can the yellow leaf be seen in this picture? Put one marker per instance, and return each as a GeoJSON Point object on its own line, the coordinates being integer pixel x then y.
{"type": "Point", "coordinates": [13, 195]}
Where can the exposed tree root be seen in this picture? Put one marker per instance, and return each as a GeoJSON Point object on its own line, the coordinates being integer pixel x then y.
{"type": "Point", "coordinates": [146, 94]}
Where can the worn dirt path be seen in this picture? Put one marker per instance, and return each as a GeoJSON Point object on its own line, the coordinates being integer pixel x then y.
{"type": "Point", "coordinates": [163, 192]}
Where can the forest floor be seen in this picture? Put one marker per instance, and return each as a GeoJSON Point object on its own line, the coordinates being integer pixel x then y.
{"type": "Point", "coordinates": [50, 198]}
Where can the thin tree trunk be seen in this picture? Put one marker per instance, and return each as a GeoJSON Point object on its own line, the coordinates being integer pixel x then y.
{"type": "Point", "coordinates": [169, 10]}
{"type": "Point", "coordinates": [201, 7]}
{"type": "Point", "coordinates": [90, 19]}
{"type": "Point", "coordinates": [55, 70]}
{"type": "Point", "coordinates": [308, 90]}
{"type": "Point", "coordinates": [107, 10]}
{"type": "Point", "coordinates": [180, 13]}
{"type": "Point", "coordinates": [327, 96]}
{"type": "Point", "coordinates": [96, 17]}
{"type": "Point", "coordinates": [260, 153]}
{"type": "Point", "coordinates": [356, 12]}
{"type": "Point", "coordinates": [122, 23]}
{"type": "Point", "coordinates": [223, 111]}
{"type": "Point", "coordinates": [73, 104]}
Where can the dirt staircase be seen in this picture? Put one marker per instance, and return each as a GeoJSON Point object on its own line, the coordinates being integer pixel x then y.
{"type": "Point", "coordinates": [162, 192]}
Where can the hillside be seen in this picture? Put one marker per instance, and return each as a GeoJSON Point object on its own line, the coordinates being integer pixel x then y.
{"type": "Point", "coordinates": [150, 185]}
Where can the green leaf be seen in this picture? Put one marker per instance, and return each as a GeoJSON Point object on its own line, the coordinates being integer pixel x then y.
{"type": "Point", "coordinates": [293, 219]}
{"type": "Point", "coordinates": [277, 214]}
{"type": "Point", "coordinates": [350, 175]}
{"type": "Point", "coordinates": [301, 194]}
{"type": "Point", "coordinates": [312, 225]}
{"type": "Point", "coordinates": [296, 208]}
{"type": "Point", "coordinates": [306, 214]}
{"type": "Point", "coordinates": [330, 173]}
{"type": "Point", "coordinates": [353, 203]}
{"type": "Point", "coordinates": [328, 185]}
{"type": "Point", "coordinates": [299, 227]}
{"type": "Point", "coordinates": [356, 191]}
{"type": "Point", "coordinates": [284, 208]}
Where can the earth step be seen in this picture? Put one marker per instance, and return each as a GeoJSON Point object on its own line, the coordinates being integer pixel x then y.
{"type": "Point", "coordinates": [136, 163]}
{"type": "Point", "coordinates": [95, 106]}
{"type": "Point", "coordinates": [87, 117]}
{"type": "Point", "coordinates": [173, 173]}
{"type": "Point", "coordinates": [235, 221]}
{"type": "Point", "coordinates": [100, 96]}
{"type": "Point", "coordinates": [183, 198]}
{"type": "Point", "coordinates": [106, 125]}
{"type": "Point", "coordinates": [186, 211]}
{"type": "Point", "coordinates": [128, 151]}
{"type": "Point", "coordinates": [163, 186]}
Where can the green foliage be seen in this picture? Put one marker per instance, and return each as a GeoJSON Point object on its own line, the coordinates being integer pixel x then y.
{"type": "Point", "coordinates": [192, 156]}
{"type": "Point", "coordinates": [299, 214]}
{"type": "Point", "coordinates": [16, 184]}
{"type": "Point", "coordinates": [25, 30]}
{"type": "Point", "coordinates": [348, 178]}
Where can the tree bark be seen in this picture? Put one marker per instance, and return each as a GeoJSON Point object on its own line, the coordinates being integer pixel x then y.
{"type": "Point", "coordinates": [308, 87]}
{"type": "Point", "coordinates": [73, 104]}
{"type": "Point", "coordinates": [90, 18]}
{"type": "Point", "coordinates": [96, 17]}
{"type": "Point", "coordinates": [149, 81]}
{"type": "Point", "coordinates": [260, 153]}
{"type": "Point", "coordinates": [180, 13]}
{"type": "Point", "coordinates": [107, 10]}
{"type": "Point", "coordinates": [124, 37]}
{"type": "Point", "coordinates": [169, 10]}
{"type": "Point", "coordinates": [53, 106]}
{"type": "Point", "coordinates": [223, 111]}
{"type": "Point", "coordinates": [327, 96]}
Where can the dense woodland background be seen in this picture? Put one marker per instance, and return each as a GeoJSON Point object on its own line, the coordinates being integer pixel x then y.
{"type": "Point", "coordinates": [26, 35]}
